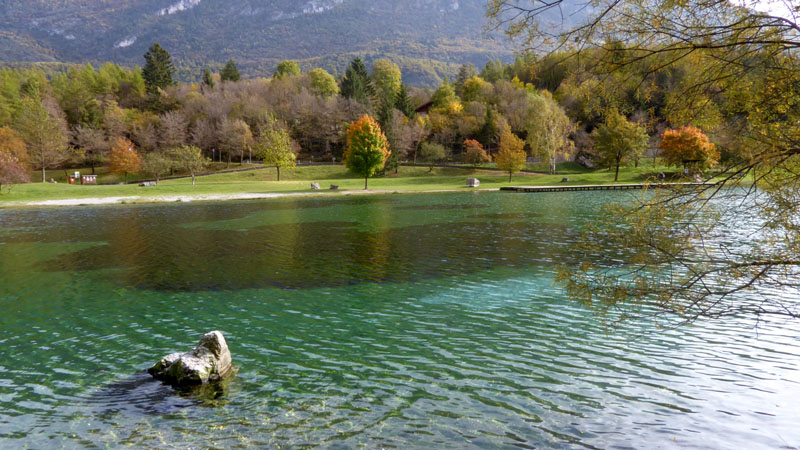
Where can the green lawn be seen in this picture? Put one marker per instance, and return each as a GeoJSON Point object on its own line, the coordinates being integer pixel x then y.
{"type": "Point", "coordinates": [409, 179]}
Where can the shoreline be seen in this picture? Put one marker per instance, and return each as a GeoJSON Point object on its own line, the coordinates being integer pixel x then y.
{"type": "Point", "coordinates": [147, 200]}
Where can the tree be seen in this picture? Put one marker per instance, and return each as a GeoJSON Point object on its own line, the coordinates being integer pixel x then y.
{"type": "Point", "coordinates": [385, 80]}
{"type": "Point", "coordinates": [13, 158]}
{"type": "Point", "coordinates": [190, 159]}
{"type": "Point", "coordinates": [444, 95]}
{"type": "Point", "coordinates": [12, 171]}
{"type": "Point", "coordinates": [410, 134]}
{"type": "Point", "coordinates": [493, 71]}
{"type": "Point", "coordinates": [74, 93]}
{"type": "Point", "coordinates": [115, 123]}
{"type": "Point", "coordinates": [618, 140]}
{"type": "Point", "coordinates": [549, 129]}
{"type": "Point", "coordinates": [275, 147]}
{"type": "Point", "coordinates": [157, 164]}
{"type": "Point", "coordinates": [158, 71]}
{"type": "Point", "coordinates": [208, 78]}
{"type": "Point", "coordinates": [12, 144]}
{"type": "Point", "coordinates": [475, 89]}
{"type": "Point", "coordinates": [684, 259]}
{"type": "Point", "coordinates": [43, 133]}
{"type": "Point", "coordinates": [93, 143]}
{"type": "Point", "coordinates": [367, 148]}
{"type": "Point", "coordinates": [465, 72]}
{"type": "Point", "coordinates": [286, 69]}
{"type": "Point", "coordinates": [174, 129]}
{"type": "Point", "coordinates": [474, 152]}
{"type": "Point", "coordinates": [124, 158]}
{"type": "Point", "coordinates": [432, 153]}
{"type": "Point", "coordinates": [235, 137]}
{"type": "Point", "coordinates": [403, 103]}
{"type": "Point", "coordinates": [322, 83]}
{"type": "Point", "coordinates": [356, 83]}
{"type": "Point", "coordinates": [511, 156]}
{"type": "Point", "coordinates": [489, 130]}
{"type": "Point", "coordinates": [231, 73]}
{"type": "Point", "coordinates": [688, 146]}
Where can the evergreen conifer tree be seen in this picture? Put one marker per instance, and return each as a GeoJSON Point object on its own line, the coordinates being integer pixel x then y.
{"type": "Point", "coordinates": [158, 71]}
{"type": "Point", "coordinates": [230, 72]}
{"type": "Point", "coordinates": [403, 102]}
{"type": "Point", "coordinates": [489, 130]}
{"type": "Point", "coordinates": [356, 84]}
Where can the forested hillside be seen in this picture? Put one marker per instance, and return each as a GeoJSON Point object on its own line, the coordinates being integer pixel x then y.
{"type": "Point", "coordinates": [429, 39]}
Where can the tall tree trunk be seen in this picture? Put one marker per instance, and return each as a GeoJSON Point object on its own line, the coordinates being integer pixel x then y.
{"type": "Point", "coordinates": [192, 178]}
{"type": "Point", "coordinates": [44, 175]}
{"type": "Point", "coordinates": [509, 176]}
{"type": "Point", "coordinates": [616, 175]}
{"type": "Point", "coordinates": [279, 172]}
{"type": "Point", "coordinates": [366, 183]}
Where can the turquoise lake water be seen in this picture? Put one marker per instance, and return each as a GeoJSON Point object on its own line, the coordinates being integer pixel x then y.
{"type": "Point", "coordinates": [403, 321]}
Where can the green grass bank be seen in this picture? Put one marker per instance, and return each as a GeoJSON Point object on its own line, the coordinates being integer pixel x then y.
{"type": "Point", "coordinates": [298, 180]}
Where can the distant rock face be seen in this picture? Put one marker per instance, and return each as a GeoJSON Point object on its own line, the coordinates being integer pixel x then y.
{"type": "Point", "coordinates": [210, 361]}
{"type": "Point", "coordinates": [473, 182]}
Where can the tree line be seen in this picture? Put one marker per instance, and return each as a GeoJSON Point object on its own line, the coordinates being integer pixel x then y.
{"type": "Point", "coordinates": [549, 108]}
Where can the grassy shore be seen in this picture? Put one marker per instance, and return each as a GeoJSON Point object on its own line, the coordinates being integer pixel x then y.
{"type": "Point", "coordinates": [262, 181]}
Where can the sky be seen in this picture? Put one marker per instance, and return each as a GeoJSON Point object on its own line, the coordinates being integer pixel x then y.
{"type": "Point", "coordinates": [789, 9]}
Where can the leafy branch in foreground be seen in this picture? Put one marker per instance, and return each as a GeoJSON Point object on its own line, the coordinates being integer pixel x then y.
{"type": "Point", "coordinates": [725, 249]}
{"type": "Point", "coordinates": [675, 256]}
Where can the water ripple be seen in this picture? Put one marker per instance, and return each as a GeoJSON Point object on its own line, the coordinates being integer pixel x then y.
{"type": "Point", "coordinates": [387, 322]}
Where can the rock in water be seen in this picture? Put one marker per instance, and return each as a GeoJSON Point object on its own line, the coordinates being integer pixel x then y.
{"type": "Point", "coordinates": [210, 361]}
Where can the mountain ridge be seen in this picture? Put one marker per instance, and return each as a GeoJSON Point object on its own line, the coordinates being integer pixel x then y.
{"type": "Point", "coordinates": [429, 39]}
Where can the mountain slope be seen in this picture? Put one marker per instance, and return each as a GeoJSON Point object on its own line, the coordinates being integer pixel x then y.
{"type": "Point", "coordinates": [429, 38]}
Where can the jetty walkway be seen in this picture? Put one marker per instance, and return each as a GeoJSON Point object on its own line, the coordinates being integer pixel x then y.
{"type": "Point", "coordinates": [601, 187]}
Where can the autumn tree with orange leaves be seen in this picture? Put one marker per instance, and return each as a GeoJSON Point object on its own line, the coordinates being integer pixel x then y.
{"type": "Point", "coordinates": [124, 158]}
{"type": "Point", "coordinates": [367, 148]}
{"type": "Point", "coordinates": [13, 158]}
{"type": "Point", "coordinates": [474, 152]}
{"type": "Point", "coordinates": [688, 146]}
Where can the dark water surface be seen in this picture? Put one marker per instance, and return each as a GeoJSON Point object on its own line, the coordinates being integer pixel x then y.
{"type": "Point", "coordinates": [426, 321]}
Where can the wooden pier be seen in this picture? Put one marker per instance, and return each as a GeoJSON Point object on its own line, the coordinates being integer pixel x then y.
{"type": "Point", "coordinates": [601, 187]}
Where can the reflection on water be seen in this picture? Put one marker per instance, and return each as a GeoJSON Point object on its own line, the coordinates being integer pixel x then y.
{"type": "Point", "coordinates": [399, 321]}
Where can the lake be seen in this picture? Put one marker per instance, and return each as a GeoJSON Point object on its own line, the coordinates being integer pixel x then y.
{"type": "Point", "coordinates": [398, 321]}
